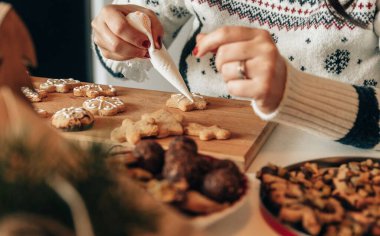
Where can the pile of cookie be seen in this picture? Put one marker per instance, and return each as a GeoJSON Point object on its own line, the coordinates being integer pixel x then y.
{"type": "Point", "coordinates": [102, 102]}
{"type": "Point", "coordinates": [192, 183]}
{"type": "Point", "coordinates": [161, 124]}
{"type": "Point", "coordinates": [342, 200]}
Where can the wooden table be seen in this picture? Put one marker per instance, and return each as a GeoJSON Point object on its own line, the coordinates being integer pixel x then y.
{"type": "Point", "coordinates": [248, 131]}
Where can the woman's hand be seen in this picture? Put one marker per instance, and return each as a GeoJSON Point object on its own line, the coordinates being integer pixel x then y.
{"type": "Point", "coordinates": [117, 39]}
{"type": "Point", "coordinates": [248, 51]}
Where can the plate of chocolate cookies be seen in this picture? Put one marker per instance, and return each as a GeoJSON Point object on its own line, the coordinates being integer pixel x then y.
{"type": "Point", "coordinates": [201, 187]}
{"type": "Point", "coordinates": [328, 196]}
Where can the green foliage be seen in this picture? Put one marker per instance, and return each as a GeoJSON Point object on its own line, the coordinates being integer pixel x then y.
{"type": "Point", "coordinates": [111, 207]}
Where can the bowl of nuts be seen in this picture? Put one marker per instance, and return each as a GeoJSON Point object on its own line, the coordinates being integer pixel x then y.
{"type": "Point", "coordinates": [328, 196]}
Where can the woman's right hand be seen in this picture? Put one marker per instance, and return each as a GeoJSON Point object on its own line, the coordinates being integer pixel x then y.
{"type": "Point", "coordinates": [117, 39]}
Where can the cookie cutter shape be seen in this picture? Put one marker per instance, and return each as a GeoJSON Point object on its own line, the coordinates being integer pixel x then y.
{"type": "Point", "coordinates": [206, 133]}
{"type": "Point", "coordinates": [60, 85]}
{"type": "Point", "coordinates": [184, 104]}
{"type": "Point", "coordinates": [73, 119]}
{"type": "Point", "coordinates": [94, 90]}
{"type": "Point", "coordinates": [169, 124]}
{"type": "Point", "coordinates": [104, 106]}
{"type": "Point", "coordinates": [133, 132]}
{"type": "Point", "coordinates": [35, 95]}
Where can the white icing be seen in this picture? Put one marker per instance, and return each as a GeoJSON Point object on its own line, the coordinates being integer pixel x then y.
{"type": "Point", "coordinates": [29, 93]}
{"type": "Point", "coordinates": [71, 113]}
{"type": "Point", "coordinates": [160, 58]}
{"type": "Point", "coordinates": [179, 97]}
{"type": "Point", "coordinates": [95, 87]}
{"type": "Point", "coordinates": [39, 110]}
{"type": "Point", "coordinates": [60, 82]}
{"type": "Point", "coordinates": [103, 103]}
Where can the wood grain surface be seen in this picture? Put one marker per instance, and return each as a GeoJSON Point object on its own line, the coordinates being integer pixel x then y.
{"type": "Point", "coordinates": [248, 131]}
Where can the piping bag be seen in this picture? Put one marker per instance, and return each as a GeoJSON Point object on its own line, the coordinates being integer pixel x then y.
{"type": "Point", "coordinates": [160, 58]}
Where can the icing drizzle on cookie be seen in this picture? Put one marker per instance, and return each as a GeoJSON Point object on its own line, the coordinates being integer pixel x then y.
{"type": "Point", "coordinates": [29, 93]}
{"type": "Point", "coordinates": [96, 87]}
{"type": "Point", "coordinates": [60, 82]}
{"type": "Point", "coordinates": [103, 103]}
{"type": "Point", "coordinates": [179, 97]}
{"type": "Point", "coordinates": [71, 113]}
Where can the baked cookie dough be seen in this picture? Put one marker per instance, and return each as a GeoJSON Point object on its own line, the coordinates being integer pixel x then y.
{"type": "Point", "coordinates": [94, 90]}
{"type": "Point", "coordinates": [179, 101]}
{"type": "Point", "coordinates": [159, 124]}
{"type": "Point", "coordinates": [41, 112]}
{"type": "Point", "coordinates": [206, 133]}
{"type": "Point", "coordinates": [73, 119]}
{"type": "Point", "coordinates": [133, 132]}
{"type": "Point", "coordinates": [35, 95]}
{"type": "Point", "coordinates": [104, 106]}
{"type": "Point", "coordinates": [60, 85]}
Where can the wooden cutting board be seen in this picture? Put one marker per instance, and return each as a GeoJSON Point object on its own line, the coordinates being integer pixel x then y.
{"type": "Point", "coordinates": [248, 131]}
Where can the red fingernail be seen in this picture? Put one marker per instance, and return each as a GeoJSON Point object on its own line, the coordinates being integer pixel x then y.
{"type": "Point", "coordinates": [159, 40]}
{"type": "Point", "coordinates": [147, 55]}
{"type": "Point", "coordinates": [195, 51]}
{"type": "Point", "coordinates": [146, 44]}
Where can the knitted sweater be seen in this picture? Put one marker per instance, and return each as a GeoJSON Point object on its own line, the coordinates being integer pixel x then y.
{"type": "Point", "coordinates": [321, 52]}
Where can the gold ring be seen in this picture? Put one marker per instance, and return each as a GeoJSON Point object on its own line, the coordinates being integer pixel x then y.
{"type": "Point", "coordinates": [241, 70]}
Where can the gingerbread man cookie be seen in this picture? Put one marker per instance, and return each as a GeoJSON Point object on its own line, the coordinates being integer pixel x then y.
{"type": "Point", "coordinates": [35, 95]}
{"type": "Point", "coordinates": [184, 104]}
{"type": "Point", "coordinates": [168, 123]}
{"type": "Point", "coordinates": [207, 133]}
{"type": "Point", "coordinates": [60, 85]}
{"type": "Point", "coordinates": [73, 119]}
{"type": "Point", "coordinates": [132, 132]}
{"type": "Point", "coordinates": [104, 106]}
{"type": "Point", "coordinates": [94, 90]}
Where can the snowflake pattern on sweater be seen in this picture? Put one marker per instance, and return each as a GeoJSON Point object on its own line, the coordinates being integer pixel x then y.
{"type": "Point", "coordinates": [310, 38]}
{"type": "Point", "coordinates": [305, 31]}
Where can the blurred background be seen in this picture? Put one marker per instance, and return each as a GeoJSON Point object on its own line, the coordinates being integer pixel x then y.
{"type": "Point", "coordinates": [61, 31]}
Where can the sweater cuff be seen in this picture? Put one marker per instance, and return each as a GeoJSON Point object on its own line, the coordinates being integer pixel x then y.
{"type": "Point", "coordinates": [134, 69]}
{"type": "Point", "coordinates": [317, 105]}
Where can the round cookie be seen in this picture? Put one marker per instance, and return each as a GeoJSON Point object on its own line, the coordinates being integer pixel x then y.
{"type": "Point", "coordinates": [104, 106]}
{"type": "Point", "coordinates": [73, 119]}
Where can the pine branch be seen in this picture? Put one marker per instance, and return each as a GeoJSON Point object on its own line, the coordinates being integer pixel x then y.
{"type": "Point", "coordinates": [24, 168]}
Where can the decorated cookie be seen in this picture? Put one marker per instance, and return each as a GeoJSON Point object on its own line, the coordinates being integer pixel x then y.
{"type": "Point", "coordinates": [35, 95]}
{"type": "Point", "coordinates": [41, 113]}
{"type": "Point", "coordinates": [60, 85]}
{"type": "Point", "coordinates": [132, 132]}
{"type": "Point", "coordinates": [94, 90]}
{"type": "Point", "coordinates": [168, 123]}
{"type": "Point", "coordinates": [181, 102]}
{"type": "Point", "coordinates": [73, 119]}
{"type": "Point", "coordinates": [104, 106]}
{"type": "Point", "coordinates": [207, 133]}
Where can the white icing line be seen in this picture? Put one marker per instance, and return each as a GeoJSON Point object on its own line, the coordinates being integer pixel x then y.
{"type": "Point", "coordinates": [103, 103]}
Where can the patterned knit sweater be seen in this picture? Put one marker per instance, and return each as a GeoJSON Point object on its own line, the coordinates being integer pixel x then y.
{"type": "Point", "coordinates": [321, 52]}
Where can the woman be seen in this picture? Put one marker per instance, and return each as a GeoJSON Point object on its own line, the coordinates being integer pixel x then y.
{"type": "Point", "coordinates": [308, 64]}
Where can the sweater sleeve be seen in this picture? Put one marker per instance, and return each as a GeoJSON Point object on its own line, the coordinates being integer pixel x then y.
{"type": "Point", "coordinates": [172, 15]}
{"type": "Point", "coordinates": [342, 112]}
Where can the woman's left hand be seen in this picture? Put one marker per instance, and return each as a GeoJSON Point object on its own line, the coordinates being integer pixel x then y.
{"type": "Point", "coordinates": [249, 63]}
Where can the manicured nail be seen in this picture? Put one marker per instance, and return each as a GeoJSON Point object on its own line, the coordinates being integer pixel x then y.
{"type": "Point", "coordinates": [147, 55]}
{"type": "Point", "coordinates": [195, 51]}
{"type": "Point", "coordinates": [159, 41]}
{"type": "Point", "coordinates": [146, 44]}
